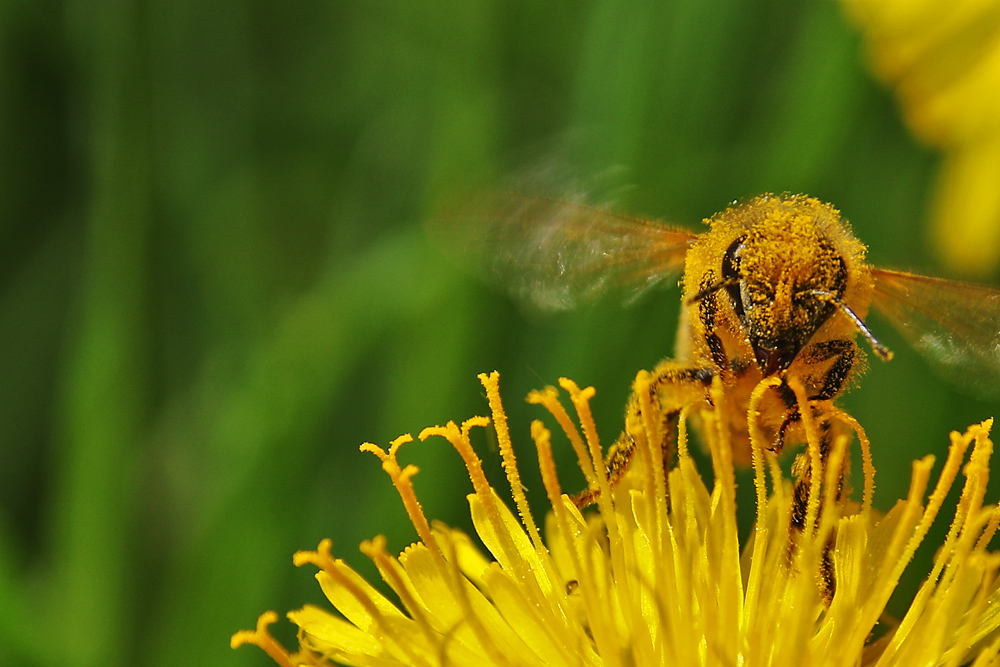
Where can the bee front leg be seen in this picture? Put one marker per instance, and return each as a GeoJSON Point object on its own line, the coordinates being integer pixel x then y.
{"type": "Point", "coordinates": [671, 387]}
{"type": "Point", "coordinates": [802, 470]}
{"type": "Point", "coordinates": [831, 383]}
{"type": "Point", "coordinates": [843, 352]}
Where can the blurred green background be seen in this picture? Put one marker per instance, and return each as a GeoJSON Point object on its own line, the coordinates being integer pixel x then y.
{"type": "Point", "coordinates": [214, 284]}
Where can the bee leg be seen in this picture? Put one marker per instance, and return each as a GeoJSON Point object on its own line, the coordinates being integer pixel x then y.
{"type": "Point", "coordinates": [616, 463]}
{"type": "Point", "coordinates": [843, 353]}
{"type": "Point", "coordinates": [668, 429]}
{"type": "Point", "coordinates": [791, 417]}
{"type": "Point", "coordinates": [827, 578]}
{"type": "Point", "coordinates": [802, 470]}
{"type": "Point", "coordinates": [674, 386]}
{"type": "Point", "coordinates": [708, 308]}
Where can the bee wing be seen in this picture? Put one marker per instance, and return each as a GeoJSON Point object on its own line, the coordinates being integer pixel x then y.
{"type": "Point", "coordinates": [956, 326]}
{"type": "Point", "coordinates": [555, 254]}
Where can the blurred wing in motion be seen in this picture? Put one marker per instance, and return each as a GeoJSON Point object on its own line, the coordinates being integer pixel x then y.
{"type": "Point", "coordinates": [555, 254]}
{"type": "Point", "coordinates": [956, 326]}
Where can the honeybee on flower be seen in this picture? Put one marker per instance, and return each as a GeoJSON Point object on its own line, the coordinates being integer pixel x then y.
{"type": "Point", "coordinates": [777, 288]}
{"type": "Point", "coordinates": [775, 295]}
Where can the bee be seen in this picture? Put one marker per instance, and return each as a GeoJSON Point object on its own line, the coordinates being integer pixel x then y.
{"type": "Point", "coordinates": [777, 287]}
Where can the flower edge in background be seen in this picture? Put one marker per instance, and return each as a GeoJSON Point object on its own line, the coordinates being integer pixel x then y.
{"type": "Point", "coordinates": [943, 61]}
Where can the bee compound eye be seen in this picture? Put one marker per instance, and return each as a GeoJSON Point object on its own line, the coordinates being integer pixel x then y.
{"type": "Point", "coordinates": [731, 260]}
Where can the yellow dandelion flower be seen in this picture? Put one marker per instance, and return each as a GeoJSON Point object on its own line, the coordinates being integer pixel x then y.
{"type": "Point", "coordinates": [943, 59]}
{"type": "Point", "coordinates": [656, 575]}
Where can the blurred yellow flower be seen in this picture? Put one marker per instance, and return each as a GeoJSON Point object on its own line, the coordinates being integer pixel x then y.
{"type": "Point", "coordinates": [656, 575]}
{"type": "Point", "coordinates": [943, 59]}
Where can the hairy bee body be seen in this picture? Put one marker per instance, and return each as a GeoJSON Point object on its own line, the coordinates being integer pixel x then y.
{"type": "Point", "coordinates": [768, 321]}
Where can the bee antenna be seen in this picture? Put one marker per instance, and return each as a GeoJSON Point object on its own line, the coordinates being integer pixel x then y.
{"type": "Point", "coordinates": [712, 289]}
{"type": "Point", "coordinates": [881, 350]}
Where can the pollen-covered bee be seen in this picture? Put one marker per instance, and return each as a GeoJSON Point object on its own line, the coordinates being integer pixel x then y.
{"type": "Point", "coordinates": [778, 287]}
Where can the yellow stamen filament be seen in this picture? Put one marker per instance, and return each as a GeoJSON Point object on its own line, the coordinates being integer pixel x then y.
{"type": "Point", "coordinates": [651, 451]}
{"type": "Point", "coordinates": [459, 439]}
{"type": "Point", "coordinates": [262, 638]}
{"type": "Point", "coordinates": [547, 465]}
{"type": "Point", "coordinates": [491, 383]}
{"type": "Point", "coordinates": [866, 459]}
{"type": "Point", "coordinates": [758, 444]}
{"type": "Point", "coordinates": [722, 461]}
{"type": "Point", "coordinates": [990, 531]}
{"type": "Point", "coordinates": [549, 399]}
{"type": "Point", "coordinates": [580, 399]}
{"type": "Point", "coordinates": [685, 468]}
{"type": "Point", "coordinates": [815, 458]}
{"type": "Point", "coordinates": [682, 445]}
{"type": "Point", "coordinates": [731, 594]}
{"type": "Point", "coordinates": [834, 473]}
{"type": "Point", "coordinates": [757, 447]}
{"type": "Point", "coordinates": [401, 480]}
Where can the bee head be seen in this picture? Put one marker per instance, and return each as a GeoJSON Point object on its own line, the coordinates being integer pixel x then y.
{"type": "Point", "coordinates": [782, 278]}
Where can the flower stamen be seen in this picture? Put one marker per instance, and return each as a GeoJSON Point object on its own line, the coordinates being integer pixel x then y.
{"type": "Point", "coordinates": [549, 399]}
{"type": "Point", "coordinates": [866, 459]}
{"type": "Point", "coordinates": [655, 575]}
{"type": "Point", "coordinates": [491, 383]}
{"type": "Point", "coordinates": [262, 638]}
{"type": "Point", "coordinates": [401, 480]}
{"type": "Point", "coordinates": [814, 454]}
